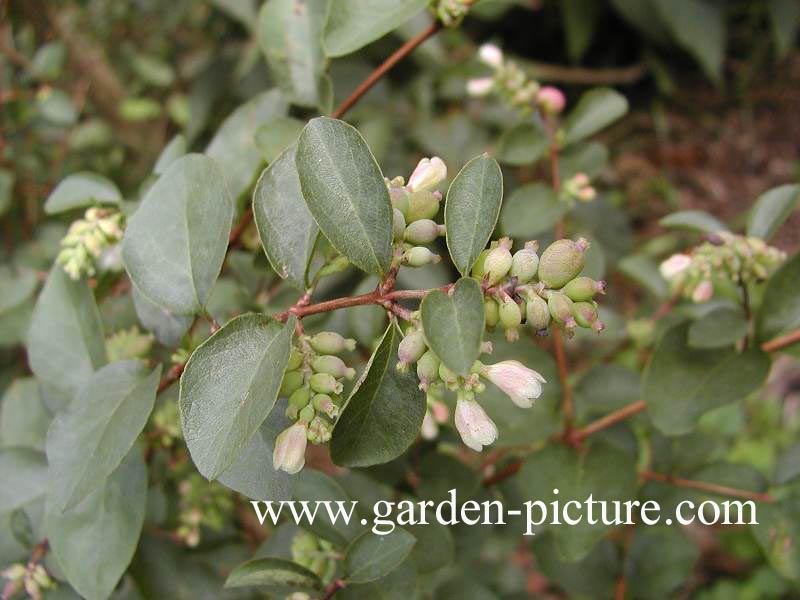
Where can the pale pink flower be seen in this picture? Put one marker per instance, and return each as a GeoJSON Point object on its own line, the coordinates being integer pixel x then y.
{"type": "Point", "coordinates": [551, 100]}
{"type": "Point", "coordinates": [675, 265]}
{"type": "Point", "coordinates": [523, 385]}
{"type": "Point", "coordinates": [491, 55]}
{"type": "Point", "coordinates": [430, 429]}
{"type": "Point", "coordinates": [477, 88]}
{"type": "Point", "coordinates": [703, 292]}
{"type": "Point", "coordinates": [290, 448]}
{"type": "Point", "coordinates": [429, 173]}
{"type": "Point", "coordinates": [474, 425]}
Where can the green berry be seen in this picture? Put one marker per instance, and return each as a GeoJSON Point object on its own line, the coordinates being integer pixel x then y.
{"type": "Point", "coordinates": [333, 365]}
{"type": "Point", "coordinates": [537, 313]}
{"type": "Point", "coordinates": [510, 317]}
{"type": "Point", "coordinates": [561, 309]}
{"type": "Point", "coordinates": [398, 225]}
{"type": "Point", "coordinates": [427, 369]}
{"type": "Point", "coordinates": [585, 313]}
{"type": "Point", "coordinates": [422, 204]}
{"type": "Point", "coordinates": [446, 374]}
{"type": "Point", "coordinates": [525, 263]}
{"type": "Point", "coordinates": [295, 360]}
{"type": "Point", "coordinates": [562, 261]}
{"type": "Point", "coordinates": [419, 256]}
{"type": "Point", "coordinates": [477, 269]}
{"type": "Point", "coordinates": [298, 400]}
{"type": "Point", "coordinates": [582, 289]}
{"type": "Point", "coordinates": [411, 348]}
{"type": "Point", "coordinates": [423, 231]}
{"type": "Point", "coordinates": [491, 311]}
{"type": "Point", "coordinates": [330, 342]}
{"type": "Point", "coordinates": [323, 383]}
{"type": "Point", "coordinates": [324, 403]}
{"type": "Point", "coordinates": [498, 262]}
{"type": "Point", "coordinates": [291, 381]}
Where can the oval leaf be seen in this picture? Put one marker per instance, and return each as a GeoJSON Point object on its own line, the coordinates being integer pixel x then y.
{"type": "Point", "coordinates": [229, 387]}
{"type": "Point", "coordinates": [721, 327]}
{"type": "Point", "coordinates": [453, 324]}
{"type": "Point", "coordinates": [771, 210]}
{"type": "Point", "coordinates": [346, 192]}
{"type": "Point", "coordinates": [596, 110]}
{"type": "Point", "coordinates": [522, 145]}
{"type": "Point", "coordinates": [79, 190]}
{"type": "Point", "coordinates": [277, 576]}
{"type": "Point", "coordinates": [780, 308]}
{"type": "Point", "coordinates": [176, 241]}
{"type": "Point", "coordinates": [693, 220]}
{"type": "Point", "coordinates": [287, 230]}
{"type": "Point", "coordinates": [372, 556]}
{"type": "Point", "coordinates": [471, 210]}
{"type": "Point", "coordinates": [531, 210]}
{"type": "Point", "coordinates": [25, 477]}
{"type": "Point", "coordinates": [88, 441]}
{"type": "Point", "coordinates": [383, 415]}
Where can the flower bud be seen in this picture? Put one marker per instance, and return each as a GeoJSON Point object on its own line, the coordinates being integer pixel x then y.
{"type": "Point", "coordinates": [330, 342]}
{"type": "Point", "coordinates": [491, 55]}
{"type": "Point", "coordinates": [537, 313]}
{"type": "Point", "coordinates": [333, 365]}
{"type": "Point", "coordinates": [419, 256]}
{"type": "Point", "coordinates": [675, 265]}
{"type": "Point", "coordinates": [429, 173]}
{"type": "Point", "coordinates": [551, 100]}
{"type": "Point", "coordinates": [510, 317]}
{"type": "Point", "coordinates": [291, 381]}
{"type": "Point", "coordinates": [14, 572]}
{"type": "Point", "coordinates": [398, 225]}
{"type": "Point", "coordinates": [703, 291]}
{"type": "Point", "coordinates": [427, 369]}
{"type": "Point", "coordinates": [423, 231]}
{"type": "Point", "coordinates": [562, 261]}
{"type": "Point", "coordinates": [429, 429]}
{"type": "Point", "coordinates": [498, 262]}
{"type": "Point", "coordinates": [473, 424]}
{"type": "Point", "coordinates": [422, 204]}
{"type": "Point", "coordinates": [480, 87]}
{"type": "Point", "coordinates": [582, 289]}
{"type": "Point", "coordinates": [290, 448]}
{"type": "Point", "coordinates": [525, 264]}
{"type": "Point", "coordinates": [491, 311]}
{"type": "Point", "coordinates": [561, 310]}
{"type": "Point", "coordinates": [323, 383]}
{"type": "Point", "coordinates": [586, 194]}
{"type": "Point", "coordinates": [411, 349]}
{"type": "Point", "coordinates": [324, 404]}
{"type": "Point", "coordinates": [521, 384]}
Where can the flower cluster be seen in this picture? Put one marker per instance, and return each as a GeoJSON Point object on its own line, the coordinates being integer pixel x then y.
{"type": "Point", "coordinates": [723, 257]}
{"type": "Point", "coordinates": [578, 187]}
{"type": "Point", "coordinates": [33, 578]}
{"type": "Point", "coordinates": [511, 82]}
{"type": "Point", "coordinates": [452, 12]}
{"type": "Point", "coordinates": [313, 384]}
{"type": "Point", "coordinates": [202, 504]}
{"type": "Point", "coordinates": [315, 554]}
{"type": "Point", "coordinates": [513, 295]}
{"type": "Point", "coordinates": [92, 243]}
{"type": "Point", "coordinates": [414, 205]}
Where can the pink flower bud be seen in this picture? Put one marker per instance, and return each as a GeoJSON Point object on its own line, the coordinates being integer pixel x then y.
{"type": "Point", "coordinates": [430, 429]}
{"type": "Point", "coordinates": [477, 88]}
{"type": "Point", "coordinates": [551, 100]}
{"type": "Point", "coordinates": [675, 265]}
{"type": "Point", "coordinates": [474, 425]}
{"type": "Point", "coordinates": [429, 173]}
{"type": "Point", "coordinates": [290, 448]}
{"type": "Point", "coordinates": [523, 385]}
{"type": "Point", "coordinates": [703, 292]}
{"type": "Point", "coordinates": [491, 55]}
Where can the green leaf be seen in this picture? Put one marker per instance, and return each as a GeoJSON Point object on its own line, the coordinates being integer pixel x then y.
{"type": "Point", "coordinates": [276, 136]}
{"type": "Point", "coordinates": [24, 419]}
{"type": "Point", "coordinates": [644, 270]}
{"type": "Point", "coordinates": [353, 24]}
{"type": "Point", "coordinates": [784, 17]}
{"type": "Point", "coordinates": [777, 532]}
{"type": "Point", "coordinates": [171, 152]}
{"type": "Point", "coordinates": [276, 576]}
{"type": "Point", "coordinates": [312, 486]}
{"type": "Point", "coordinates": [596, 110]}
{"type": "Point", "coordinates": [780, 308]}
{"type": "Point", "coordinates": [289, 35]}
{"type": "Point", "coordinates": [24, 475]}
{"type": "Point", "coordinates": [168, 328]}
{"type": "Point", "coordinates": [80, 190]}
{"type": "Point", "coordinates": [88, 441]}
{"type": "Point", "coordinates": [95, 540]}
{"type": "Point", "coordinates": [699, 27]}
{"type": "Point", "coordinates": [384, 413]}
{"type": "Point", "coordinates": [453, 324]}
{"type": "Point", "coordinates": [531, 210]}
{"type": "Point", "coordinates": [604, 471]}
{"type": "Point", "coordinates": [682, 383]}
{"type": "Point", "coordinates": [175, 243]}
{"type": "Point", "coordinates": [522, 145]}
{"type": "Point", "coordinates": [7, 179]}
{"type": "Point", "coordinates": [642, 15]}
{"type": "Point", "coordinates": [721, 327]}
{"type": "Point", "coordinates": [662, 578]}
{"type": "Point", "coordinates": [435, 548]}
{"type": "Point", "coordinates": [594, 576]}
{"type": "Point", "coordinates": [580, 17]}
{"type": "Point", "coordinates": [229, 387]}
{"type": "Point", "coordinates": [590, 158]}
{"type": "Point", "coordinates": [787, 468]}
{"type": "Point", "coordinates": [693, 220]}
{"type": "Point", "coordinates": [287, 230]}
{"type": "Point", "coordinates": [605, 388]}
{"type": "Point", "coordinates": [65, 342]}
{"type": "Point", "coordinates": [400, 584]}
{"type": "Point", "coordinates": [243, 11]}
{"type": "Point", "coordinates": [373, 556]}
{"type": "Point", "coordinates": [472, 209]}
{"type": "Point", "coordinates": [16, 288]}
{"type": "Point", "coordinates": [234, 147]}
{"type": "Point", "coordinates": [771, 210]}
{"type": "Point", "coordinates": [345, 191]}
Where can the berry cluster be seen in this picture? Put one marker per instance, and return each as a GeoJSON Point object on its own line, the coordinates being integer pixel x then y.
{"type": "Point", "coordinates": [202, 504]}
{"type": "Point", "coordinates": [313, 384]}
{"type": "Point", "coordinates": [513, 295]}
{"type": "Point", "coordinates": [724, 257]}
{"type": "Point", "coordinates": [91, 242]}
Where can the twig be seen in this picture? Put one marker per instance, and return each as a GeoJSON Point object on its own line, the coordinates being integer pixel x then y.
{"type": "Point", "coordinates": [234, 239]}
{"type": "Point", "coordinates": [582, 76]}
{"type": "Point", "coordinates": [332, 588]}
{"type": "Point", "coordinates": [782, 341]}
{"type": "Point", "coordinates": [722, 490]}
{"type": "Point", "coordinates": [171, 377]}
{"type": "Point", "coordinates": [509, 470]}
{"type": "Point", "coordinates": [576, 436]}
{"type": "Point", "coordinates": [390, 62]}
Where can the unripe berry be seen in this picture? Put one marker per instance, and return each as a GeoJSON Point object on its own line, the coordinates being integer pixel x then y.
{"type": "Point", "coordinates": [337, 265]}
{"type": "Point", "coordinates": [498, 262]}
{"type": "Point", "coordinates": [324, 404]}
{"type": "Point", "coordinates": [419, 256]}
{"type": "Point", "coordinates": [477, 269]}
{"type": "Point", "coordinates": [510, 317]}
{"type": "Point", "coordinates": [427, 369]}
{"type": "Point", "coordinates": [447, 375]}
{"type": "Point", "coordinates": [423, 231]}
{"type": "Point", "coordinates": [525, 263]}
{"type": "Point", "coordinates": [323, 383]}
{"type": "Point", "coordinates": [491, 311]}
{"type": "Point", "coordinates": [582, 289]}
{"type": "Point", "coordinates": [537, 313]}
{"type": "Point", "coordinates": [562, 261]}
{"type": "Point", "coordinates": [411, 349]}
{"type": "Point", "coordinates": [291, 381]}
{"type": "Point", "coordinates": [398, 225]}
{"type": "Point", "coordinates": [422, 204]}
{"type": "Point", "coordinates": [399, 197]}
{"type": "Point", "coordinates": [295, 360]}
{"type": "Point", "coordinates": [330, 342]}
{"type": "Point", "coordinates": [585, 313]}
{"type": "Point", "coordinates": [333, 365]}
{"type": "Point", "coordinates": [561, 310]}
{"type": "Point", "coordinates": [297, 401]}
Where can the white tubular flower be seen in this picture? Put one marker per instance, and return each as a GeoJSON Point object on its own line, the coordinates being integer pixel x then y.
{"type": "Point", "coordinates": [703, 292]}
{"type": "Point", "coordinates": [675, 265]}
{"type": "Point", "coordinates": [477, 88]}
{"type": "Point", "coordinates": [290, 448]}
{"type": "Point", "coordinates": [430, 429]}
{"type": "Point", "coordinates": [523, 385]}
{"type": "Point", "coordinates": [491, 55]}
{"type": "Point", "coordinates": [429, 173]}
{"type": "Point", "coordinates": [474, 425]}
